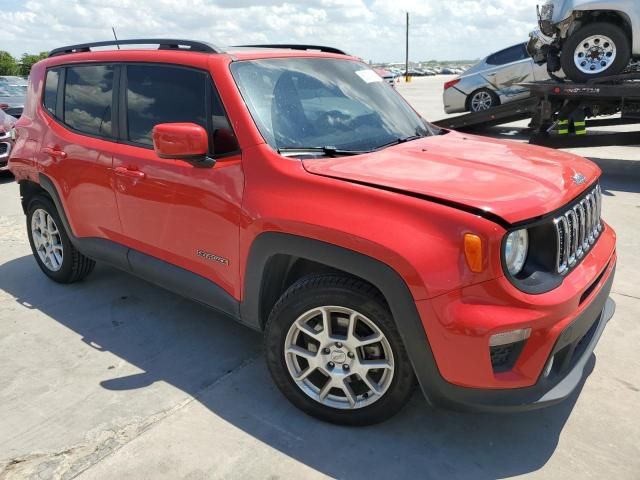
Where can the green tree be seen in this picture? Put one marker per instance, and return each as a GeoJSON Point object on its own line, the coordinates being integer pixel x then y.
{"type": "Point", "coordinates": [8, 64]}
{"type": "Point", "coordinates": [28, 60]}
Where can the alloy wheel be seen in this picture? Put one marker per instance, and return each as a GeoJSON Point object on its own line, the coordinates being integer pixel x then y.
{"type": "Point", "coordinates": [47, 240]}
{"type": "Point", "coordinates": [339, 357]}
{"type": "Point", "coordinates": [481, 101]}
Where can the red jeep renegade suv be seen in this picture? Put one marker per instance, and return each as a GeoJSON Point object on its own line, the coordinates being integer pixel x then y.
{"type": "Point", "coordinates": [292, 189]}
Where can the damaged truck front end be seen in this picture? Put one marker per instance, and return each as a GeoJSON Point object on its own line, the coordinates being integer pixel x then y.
{"type": "Point", "coordinates": [555, 23]}
{"type": "Point", "coordinates": [585, 38]}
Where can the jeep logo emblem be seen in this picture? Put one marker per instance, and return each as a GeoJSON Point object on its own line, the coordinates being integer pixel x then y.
{"type": "Point", "coordinates": [338, 357]}
{"type": "Point", "coordinates": [578, 178]}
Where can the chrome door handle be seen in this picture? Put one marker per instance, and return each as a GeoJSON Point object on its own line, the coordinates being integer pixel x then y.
{"type": "Point", "coordinates": [125, 172]}
{"type": "Point", "coordinates": [55, 153]}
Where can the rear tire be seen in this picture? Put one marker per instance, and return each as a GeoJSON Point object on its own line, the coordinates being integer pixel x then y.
{"type": "Point", "coordinates": [482, 100]}
{"type": "Point", "coordinates": [55, 254]}
{"type": "Point", "coordinates": [599, 49]}
{"type": "Point", "coordinates": [335, 379]}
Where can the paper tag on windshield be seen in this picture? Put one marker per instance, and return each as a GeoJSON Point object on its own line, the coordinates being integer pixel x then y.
{"type": "Point", "coordinates": [369, 76]}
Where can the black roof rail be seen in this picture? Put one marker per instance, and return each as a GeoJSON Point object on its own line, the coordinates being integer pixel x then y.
{"type": "Point", "coordinates": [163, 44]}
{"type": "Point", "coordinates": [294, 46]}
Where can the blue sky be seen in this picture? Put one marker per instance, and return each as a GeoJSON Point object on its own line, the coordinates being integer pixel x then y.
{"type": "Point", "coordinates": [371, 29]}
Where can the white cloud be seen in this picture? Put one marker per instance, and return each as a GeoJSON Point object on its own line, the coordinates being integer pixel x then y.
{"type": "Point", "coordinates": [371, 29]}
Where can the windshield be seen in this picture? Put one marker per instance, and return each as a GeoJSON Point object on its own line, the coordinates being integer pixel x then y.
{"type": "Point", "coordinates": [320, 102]}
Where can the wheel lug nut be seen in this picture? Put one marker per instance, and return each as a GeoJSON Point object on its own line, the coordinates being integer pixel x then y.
{"type": "Point", "coordinates": [331, 364]}
{"type": "Point", "coordinates": [326, 351]}
{"type": "Point", "coordinates": [339, 345]}
{"type": "Point", "coordinates": [345, 367]}
{"type": "Point", "coordinates": [350, 355]}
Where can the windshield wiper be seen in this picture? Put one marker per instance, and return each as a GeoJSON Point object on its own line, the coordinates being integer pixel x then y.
{"type": "Point", "coordinates": [328, 150]}
{"type": "Point", "coordinates": [398, 141]}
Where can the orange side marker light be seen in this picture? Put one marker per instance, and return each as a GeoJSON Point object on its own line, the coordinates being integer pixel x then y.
{"type": "Point", "coordinates": [473, 252]}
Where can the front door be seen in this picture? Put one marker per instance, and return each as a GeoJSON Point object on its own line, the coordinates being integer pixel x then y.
{"type": "Point", "coordinates": [171, 209]}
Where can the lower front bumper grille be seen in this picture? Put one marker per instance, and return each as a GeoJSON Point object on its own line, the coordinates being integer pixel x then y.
{"type": "Point", "coordinates": [504, 357]}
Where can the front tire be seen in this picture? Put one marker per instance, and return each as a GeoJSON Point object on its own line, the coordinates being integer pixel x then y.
{"type": "Point", "coordinates": [596, 50]}
{"type": "Point", "coordinates": [333, 350]}
{"type": "Point", "coordinates": [55, 254]}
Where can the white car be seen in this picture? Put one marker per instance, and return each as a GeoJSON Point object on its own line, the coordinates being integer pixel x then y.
{"type": "Point", "coordinates": [587, 38]}
{"type": "Point", "coordinates": [494, 81]}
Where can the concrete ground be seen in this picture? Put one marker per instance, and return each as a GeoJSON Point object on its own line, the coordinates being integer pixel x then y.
{"type": "Point", "coordinates": [115, 378]}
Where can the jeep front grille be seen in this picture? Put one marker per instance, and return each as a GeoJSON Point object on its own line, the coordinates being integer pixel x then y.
{"type": "Point", "coordinates": [577, 230]}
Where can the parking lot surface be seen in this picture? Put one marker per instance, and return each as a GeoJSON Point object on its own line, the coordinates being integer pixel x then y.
{"type": "Point", "coordinates": [116, 378]}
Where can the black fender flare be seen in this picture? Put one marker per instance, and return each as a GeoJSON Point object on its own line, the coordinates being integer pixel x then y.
{"type": "Point", "coordinates": [382, 276]}
{"type": "Point", "coordinates": [48, 186]}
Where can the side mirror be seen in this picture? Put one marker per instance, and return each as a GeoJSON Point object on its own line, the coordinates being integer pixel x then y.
{"type": "Point", "coordinates": [182, 141]}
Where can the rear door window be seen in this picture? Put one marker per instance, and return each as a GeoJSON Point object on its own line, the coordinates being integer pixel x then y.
{"type": "Point", "coordinates": [508, 55]}
{"type": "Point", "coordinates": [88, 99]}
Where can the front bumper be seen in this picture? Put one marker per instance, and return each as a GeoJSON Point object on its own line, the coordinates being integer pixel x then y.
{"type": "Point", "coordinates": [571, 354]}
{"type": "Point", "coordinates": [539, 46]}
{"type": "Point", "coordinates": [459, 326]}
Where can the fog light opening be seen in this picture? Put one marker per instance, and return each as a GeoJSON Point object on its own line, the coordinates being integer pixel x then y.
{"type": "Point", "coordinates": [512, 336]}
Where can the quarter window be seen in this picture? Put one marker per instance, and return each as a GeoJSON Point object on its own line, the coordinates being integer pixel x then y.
{"type": "Point", "coordinates": [51, 91]}
{"type": "Point", "coordinates": [88, 98]}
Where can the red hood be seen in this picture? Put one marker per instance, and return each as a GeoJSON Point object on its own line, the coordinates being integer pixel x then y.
{"type": "Point", "coordinates": [515, 181]}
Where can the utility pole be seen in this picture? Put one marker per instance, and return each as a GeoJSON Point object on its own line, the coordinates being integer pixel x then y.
{"type": "Point", "coordinates": [406, 49]}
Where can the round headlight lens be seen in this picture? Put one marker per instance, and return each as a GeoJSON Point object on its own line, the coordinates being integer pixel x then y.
{"type": "Point", "coordinates": [515, 251]}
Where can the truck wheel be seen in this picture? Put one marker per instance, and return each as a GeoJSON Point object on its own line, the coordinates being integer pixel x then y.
{"type": "Point", "coordinates": [482, 100]}
{"type": "Point", "coordinates": [333, 350]}
{"type": "Point", "coordinates": [50, 244]}
{"type": "Point", "coordinates": [596, 50]}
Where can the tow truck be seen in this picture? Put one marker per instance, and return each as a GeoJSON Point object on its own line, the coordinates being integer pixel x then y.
{"type": "Point", "coordinates": [615, 97]}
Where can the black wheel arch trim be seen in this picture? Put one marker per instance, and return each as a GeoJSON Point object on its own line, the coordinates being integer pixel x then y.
{"type": "Point", "coordinates": [380, 275]}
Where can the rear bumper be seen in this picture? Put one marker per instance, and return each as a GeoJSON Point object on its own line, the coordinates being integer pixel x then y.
{"type": "Point", "coordinates": [455, 101]}
{"type": "Point", "coordinates": [572, 351]}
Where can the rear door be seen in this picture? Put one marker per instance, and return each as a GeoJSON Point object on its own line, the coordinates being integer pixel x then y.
{"type": "Point", "coordinates": [511, 67]}
{"type": "Point", "coordinates": [77, 147]}
{"type": "Point", "coordinates": [170, 209]}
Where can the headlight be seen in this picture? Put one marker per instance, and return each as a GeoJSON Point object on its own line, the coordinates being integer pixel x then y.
{"type": "Point", "coordinates": [515, 251]}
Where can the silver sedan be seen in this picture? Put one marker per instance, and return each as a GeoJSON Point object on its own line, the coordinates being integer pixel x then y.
{"type": "Point", "coordinates": [494, 81]}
